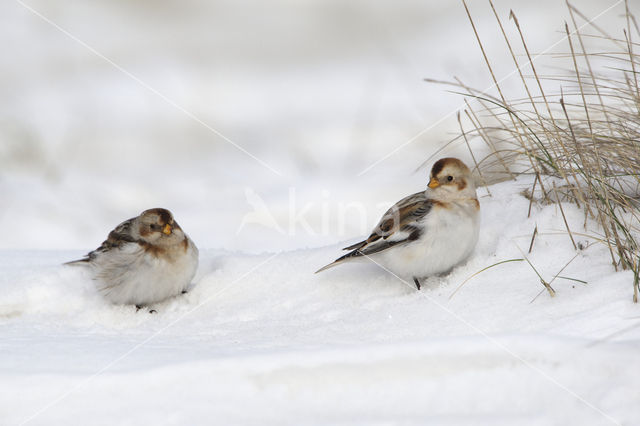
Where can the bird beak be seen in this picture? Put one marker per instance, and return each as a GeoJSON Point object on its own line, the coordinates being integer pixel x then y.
{"type": "Point", "coordinates": [166, 229]}
{"type": "Point", "coordinates": [433, 183]}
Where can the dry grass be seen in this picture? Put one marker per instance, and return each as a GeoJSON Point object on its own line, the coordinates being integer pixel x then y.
{"type": "Point", "coordinates": [582, 142]}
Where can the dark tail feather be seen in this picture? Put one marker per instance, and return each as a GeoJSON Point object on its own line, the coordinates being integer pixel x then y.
{"type": "Point", "coordinates": [354, 253]}
{"type": "Point", "coordinates": [77, 262]}
{"type": "Point", "coordinates": [356, 246]}
{"type": "Point", "coordinates": [329, 266]}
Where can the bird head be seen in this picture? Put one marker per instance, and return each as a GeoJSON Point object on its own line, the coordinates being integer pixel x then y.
{"type": "Point", "coordinates": [157, 226]}
{"type": "Point", "coordinates": [451, 178]}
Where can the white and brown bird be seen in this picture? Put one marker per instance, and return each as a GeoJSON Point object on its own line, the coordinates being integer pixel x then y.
{"type": "Point", "coordinates": [144, 260]}
{"type": "Point", "coordinates": [426, 233]}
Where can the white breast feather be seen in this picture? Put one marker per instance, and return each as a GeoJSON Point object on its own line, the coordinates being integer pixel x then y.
{"type": "Point", "coordinates": [448, 238]}
{"type": "Point", "coordinates": [129, 275]}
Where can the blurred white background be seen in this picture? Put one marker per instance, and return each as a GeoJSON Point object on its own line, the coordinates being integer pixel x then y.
{"type": "Point", "coordinates": [115, 115]}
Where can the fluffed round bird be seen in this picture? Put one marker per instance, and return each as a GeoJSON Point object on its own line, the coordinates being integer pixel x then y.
{"type": "Point", "coordinates": [144, 260]}
{"type": "Point", "coordinates": [427, 233]}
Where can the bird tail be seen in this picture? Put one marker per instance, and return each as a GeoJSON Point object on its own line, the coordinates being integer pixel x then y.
{"type": "Point", "coordinates": [329, 266]}
{"type": "Point", "coordinates": [354, 253]}
{"type": "Point", "coordinates": [356, 246]}
{"type": "Point", "coordinates": [83, 261]}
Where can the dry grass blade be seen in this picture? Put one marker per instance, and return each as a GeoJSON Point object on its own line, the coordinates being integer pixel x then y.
{"type": "Point", "coordinates": [533, 238]}
{"type": "Point", "coordinates": [573, 279]}
{"type": "Point", "coordinates": [636, 280]}
{"type": "Point", "coordinates": [480, 271]}
{"type": "Point", "coordinates": [590, 139]}
{"type": "Point", "coordinates": [544, 283]}
{"type": "Point", "coordinates": [475, 162]}
{"type": "Point", "coordinates": [564, 218]}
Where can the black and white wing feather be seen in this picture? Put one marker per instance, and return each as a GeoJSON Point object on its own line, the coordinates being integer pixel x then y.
{"type": "Point", "coordinates": [401, 224]}
{"type": "Point", "coordinates": [122, 234]}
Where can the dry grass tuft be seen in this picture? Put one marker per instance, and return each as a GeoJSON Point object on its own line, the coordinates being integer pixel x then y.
{"type": "Point", "coordinates": [582, 141]}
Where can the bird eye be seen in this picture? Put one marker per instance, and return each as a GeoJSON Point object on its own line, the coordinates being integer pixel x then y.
{"type": "Point", "coordinates": [449, 178]}
{"type": "Point", "coordinates": [154, 227]}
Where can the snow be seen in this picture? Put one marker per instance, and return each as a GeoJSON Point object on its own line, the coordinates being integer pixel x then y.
{"type": "Point", "coordinates": [319, 91]}
{"type": "Point", "coordinates": [261, 339]}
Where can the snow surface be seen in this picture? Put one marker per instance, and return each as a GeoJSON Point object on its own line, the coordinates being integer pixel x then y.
{"type": "Point", "coordinates": [319, 91]}
{"type": "Point", "coordinates": [260, 339]}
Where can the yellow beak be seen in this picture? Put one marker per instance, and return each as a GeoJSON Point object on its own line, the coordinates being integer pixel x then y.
{"type": "Point", "coordinates": [166, 229]}
{"type": "Point", "coordinates": [433, 183]}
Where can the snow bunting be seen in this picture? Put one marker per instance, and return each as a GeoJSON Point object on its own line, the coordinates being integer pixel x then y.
{"type": "Point", "coordinates": [426, 233]}
{"type": "Point", "coordinates": [144, 260]}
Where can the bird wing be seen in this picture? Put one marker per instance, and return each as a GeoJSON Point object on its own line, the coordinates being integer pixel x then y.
{"type": "Point", "coordinates": [119, 236]}
{"type": "Point", "coordinates": [399, 225]}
